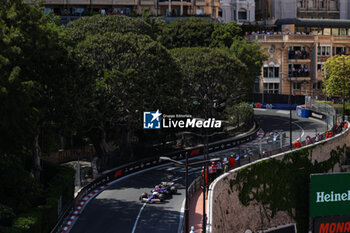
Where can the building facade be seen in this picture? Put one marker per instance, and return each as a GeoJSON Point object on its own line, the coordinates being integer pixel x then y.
{"type": "Point", "coordinates": [128, 7]}
{"type": "Point", "coordinates": [241, 11]}
{"type": "Point", "coordinates": [297, 53]}
{"type": "Point", "coordinates": [312, 9]}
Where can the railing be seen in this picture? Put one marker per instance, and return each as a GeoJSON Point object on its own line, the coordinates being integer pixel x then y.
{"type": "Point", "coordinates": [297, 74]}
{"type": "Point", "coordinates": [130, 168]}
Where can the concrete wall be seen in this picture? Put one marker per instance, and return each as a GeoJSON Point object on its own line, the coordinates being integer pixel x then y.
{"type": "Point", "coordinates": [227, 214]}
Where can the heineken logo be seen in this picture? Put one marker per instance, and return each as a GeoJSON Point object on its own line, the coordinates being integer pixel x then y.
{"type": "Point", "coordinates": [330, 197]}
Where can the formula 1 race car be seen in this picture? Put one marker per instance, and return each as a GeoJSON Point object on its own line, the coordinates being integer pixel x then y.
{"type": "Point", "coordinates": [170, 186]}
{"type": "Point", "coordinates": [154, 197]}
{"type": "Point", "coordinates": [159, 193]}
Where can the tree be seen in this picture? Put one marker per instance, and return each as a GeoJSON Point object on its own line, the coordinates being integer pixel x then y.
{"type": "Point", "coordinates": [34, 68]}
{"type": "Point", "coordinates": [190, 32]}
{"type": "Point", "coordinates": [211, 78]}
{"type": "Point", "coordinates": [79, 29]}
{"type": "Point", "coordinates": [225, 34]}
{"type": "Point", "coordinates": [337, 76]}
{"type": "Point", "coordinates": [132, 73]}
{"type": "Point", "coordinates": [252, 56]}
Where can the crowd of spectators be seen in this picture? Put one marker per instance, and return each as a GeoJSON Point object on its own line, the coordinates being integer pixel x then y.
{"type": "Point", "coordinates": [298, 54]}
{"type": "Point", "coordinates": [299, 72]}
{"type": "Point", "coordinates": [263, 32]}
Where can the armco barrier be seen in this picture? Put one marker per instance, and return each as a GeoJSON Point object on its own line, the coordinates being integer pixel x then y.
{"type": "Point", "coordinates": [130, 168]}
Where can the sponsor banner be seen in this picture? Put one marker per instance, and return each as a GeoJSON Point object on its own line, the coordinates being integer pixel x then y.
{"type": "Point", "coordinates": [336, 224]}
{"type": "Point", "coordinates": [329, 194]}
{"type": "Point", "coordinates": [317, 115]}
{"type": "Point", "coordinates": [273, 106]}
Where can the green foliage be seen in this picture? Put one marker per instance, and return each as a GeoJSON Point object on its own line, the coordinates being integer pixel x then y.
{"type": "Point", "coordinates": [81, 28]}
{"type": "Point", "coordinates": [36, 78]}
{"type": "Point", "coordinates": [189, 32]}
{"type": "Point", "coordinates": [225, 34]}
{"type": "Point", "coordinates": [125, 68]}
{"type": "Point", "coordinates": [252, 56]}
{"type": "Point", "coordinates": [239, 113]}
{"type": "Point", "coordinates": [286, 191]}
{"type": "Point", "coordinates": [42, 218]}
{"type": "Point", "coordinates": [211, 78]}
{"type": "Point", "coordinates": [6, 215]}
{"type": "Point", "coordinates": [19, 190]}
{"type": "Point", "coordinates": [336, 76]}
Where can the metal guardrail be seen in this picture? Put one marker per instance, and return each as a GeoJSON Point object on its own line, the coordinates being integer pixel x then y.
{"type": "Point", "coordinates": [130, 168]}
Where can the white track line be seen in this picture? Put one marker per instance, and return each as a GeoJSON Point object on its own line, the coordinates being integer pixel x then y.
{"type": "Point", "coordinates": [137, 218]}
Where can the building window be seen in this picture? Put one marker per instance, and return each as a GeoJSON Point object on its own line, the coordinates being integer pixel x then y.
{"type": "Point", "coordinates": [342, 31]}
{"type": "Point", "coordinates": [271, 72]}
{"type": "Point", "coordinates": [214, 13]}
{"type": "Point", "coordinates": [335, 31]}
{"type": "Point", "coordinates": [301, 4]}
{"type": "Point", "coordinates": [296, 86]}
{"type": "Point", "coordinates": [327, 31]}
{"type": "Point", "coordinates": [321, 4]}
{"type": "Point", "coordinates": [242, 14]}
{"type": "Point", "coordinates": [317, 86]}
{"type": "Point", "coordinates": [271, 88]}
{"type": "Point", "coordinates": [339, 51]}
{"type": "Point", "coordinates": [324, 51]}
{"type": "Point", "coordinates": [220, 12]}
{"type": "Point", "coordinates": [320, 67]}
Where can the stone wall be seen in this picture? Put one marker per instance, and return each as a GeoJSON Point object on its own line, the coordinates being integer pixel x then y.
{"type": "Point", "coordinates": [227, 214]}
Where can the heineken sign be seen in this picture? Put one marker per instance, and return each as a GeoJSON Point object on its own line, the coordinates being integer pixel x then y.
{"type": "Point", "coordinates": [330, 194]}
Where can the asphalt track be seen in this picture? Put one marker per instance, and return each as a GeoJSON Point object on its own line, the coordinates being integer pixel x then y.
{"type": "Point", "coordinates": [116, 209]}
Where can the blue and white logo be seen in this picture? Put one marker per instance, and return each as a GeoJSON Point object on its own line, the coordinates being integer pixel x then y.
{"type": "Point", "coordinates": [151, 120]}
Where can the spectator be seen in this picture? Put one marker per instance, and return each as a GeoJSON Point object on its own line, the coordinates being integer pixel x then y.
{"type": "Point", "coordinates": [205, 177]}
{"type": "Point", "coordinates": [297, 144]}
{"type": "Point", "coordinates": [317, 137]}
{"type": "Point", "coordinates": [213, 169]}
{"type": "Point", "coordinates": [103, 11]}
{"type": "Point", "coordinates": [308, 140]}
{"type": "Point", "coordinates": [265, 154]}
{"type": "Point", "coordinates": [226, 167]}
{"type": "Point", "coordinates": [232, 162]}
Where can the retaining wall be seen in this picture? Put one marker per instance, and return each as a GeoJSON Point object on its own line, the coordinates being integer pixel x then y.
{"type": "Point", "coordinates": [227, 214]}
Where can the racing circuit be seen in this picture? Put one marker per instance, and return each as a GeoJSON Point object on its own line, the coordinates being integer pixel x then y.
{"type": "Point", "coordinates": [118, 209]}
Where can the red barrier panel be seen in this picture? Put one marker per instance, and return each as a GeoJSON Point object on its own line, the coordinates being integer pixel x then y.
{"type": "Point", "coordinates": [118, 173]}
{"type": "Point", "coordinates": [195, 152]}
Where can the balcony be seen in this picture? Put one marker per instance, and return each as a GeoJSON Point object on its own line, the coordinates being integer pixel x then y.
{"type": "Point", "coordinates": [299, 75]}
{"type": "Point", "coordinates": [297, 55]}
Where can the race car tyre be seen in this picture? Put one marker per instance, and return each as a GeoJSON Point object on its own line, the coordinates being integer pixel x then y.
{"type": "Point", "coordinates": [173, 189]}
{"type": "Point", "coordinates": [161, 197]}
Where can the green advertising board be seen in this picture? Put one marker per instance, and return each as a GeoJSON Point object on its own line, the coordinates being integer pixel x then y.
{"type": "Point", "coordinates": [329, 194]}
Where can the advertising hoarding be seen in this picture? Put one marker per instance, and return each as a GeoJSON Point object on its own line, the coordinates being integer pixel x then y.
{"type": "Point", "coordinates": [329, 194]}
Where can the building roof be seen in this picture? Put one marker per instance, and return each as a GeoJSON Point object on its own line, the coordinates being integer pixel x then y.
{"type": "Point", "coordinates": [324, 23]}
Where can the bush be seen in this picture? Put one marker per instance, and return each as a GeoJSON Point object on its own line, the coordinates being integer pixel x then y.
{"type": "Point", "coordinates": [42, 218]}
{"type": "Point", "coordinates": [19, 190]}
{"type": "Point", "coordinates": [6, 215]}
